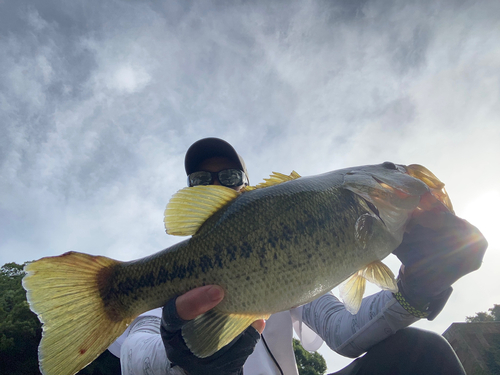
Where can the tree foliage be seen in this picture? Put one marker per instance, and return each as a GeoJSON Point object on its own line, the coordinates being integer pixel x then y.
{"type": "Point", "coordinates": [21, 331]}
{"type": "Point", "coordinates": [492, 353]}
{"type": "Point", "coordinates": [308, 363]}
{"type": "Point", "coordinates": [492, 356]}
{"type": "Point", "coordinates": [493, 315]}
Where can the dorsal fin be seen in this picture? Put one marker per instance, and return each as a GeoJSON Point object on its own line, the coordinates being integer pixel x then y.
{"type": "Point", "coordinates": [190, 207]}
{"type": "Point", "coordinates": [274, 179]}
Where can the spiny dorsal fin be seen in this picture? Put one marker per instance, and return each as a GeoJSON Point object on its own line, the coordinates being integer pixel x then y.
{"type": "Point", "coordinates": [213, 330]}
{"type": "Point", "coordinates": [190, 207]}
{"type": "Point", "coordinates": [275, 179]}
{"type": "Point", "coordinates": [352, 290]}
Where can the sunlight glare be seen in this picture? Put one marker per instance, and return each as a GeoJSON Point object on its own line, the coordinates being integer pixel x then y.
{"type": "Point", "coordinates": [483, 212]}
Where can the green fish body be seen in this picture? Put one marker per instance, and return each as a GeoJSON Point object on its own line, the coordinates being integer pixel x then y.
{"type": "Point", "coordinates": [271, 248]}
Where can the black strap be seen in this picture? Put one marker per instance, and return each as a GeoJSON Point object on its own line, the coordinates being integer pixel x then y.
{"type": "Point", "coordinates": [271, 354]}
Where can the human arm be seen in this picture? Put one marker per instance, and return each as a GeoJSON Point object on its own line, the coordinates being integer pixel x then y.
{"type": "Point", "coordinates": [379, 316]}
{"type": "Point", "coordinates": [142, 350]}
{"type": "Point", "coordinates": [435, 253]}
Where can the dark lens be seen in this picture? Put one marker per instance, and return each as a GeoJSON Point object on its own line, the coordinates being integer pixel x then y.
{"type": "Point", "coordinates": [231, 177]}
{"type": "Point", "coordinates": [200, 178]}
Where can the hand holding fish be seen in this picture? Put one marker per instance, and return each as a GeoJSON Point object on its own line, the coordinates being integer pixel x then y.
{"type": "Point", "coordinates": [199, 300]}
{"type": "Point", "coordinates": [227, 361]}
{"type": "Point", "coordinates": [436, 252]}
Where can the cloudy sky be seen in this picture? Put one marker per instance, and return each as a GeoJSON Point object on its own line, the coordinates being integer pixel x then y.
{"type": "Point", "coordinates": [100, 100]}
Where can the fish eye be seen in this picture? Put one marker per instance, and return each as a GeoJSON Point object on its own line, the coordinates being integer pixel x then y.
{"type": "Point", "coordinates": [389, 165]}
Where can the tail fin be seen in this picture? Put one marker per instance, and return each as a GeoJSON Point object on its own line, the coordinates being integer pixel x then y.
{"type": "Point", "coordinates": [64, 292]}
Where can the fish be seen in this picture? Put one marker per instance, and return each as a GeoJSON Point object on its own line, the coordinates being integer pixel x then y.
{"type": "Point", "coordinates": [271, 247]}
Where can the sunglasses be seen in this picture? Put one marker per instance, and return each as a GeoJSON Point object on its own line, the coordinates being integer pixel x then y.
{"type": "Point", "coordinates": [226, 177]}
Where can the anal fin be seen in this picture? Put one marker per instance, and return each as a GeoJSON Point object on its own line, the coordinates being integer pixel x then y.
{"type": "Point", "coordinates": [213, 330]}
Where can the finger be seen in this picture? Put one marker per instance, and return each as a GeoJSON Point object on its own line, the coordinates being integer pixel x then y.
{"type": "Point", "coordinates": [198, 301]}
{"type": "Point", "coordinates": [259, 325]}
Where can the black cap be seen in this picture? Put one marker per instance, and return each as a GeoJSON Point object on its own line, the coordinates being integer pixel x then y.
{"type": "Point", "coordinates": [207, 148]}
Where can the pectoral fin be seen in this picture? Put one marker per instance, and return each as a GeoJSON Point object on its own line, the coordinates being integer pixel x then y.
{"type": "Point", "coordinates": [381, 275]}
{"type": "Point", "coordinates": [213, 330]}
{"type": "Point", "coordinates": [190, 207]}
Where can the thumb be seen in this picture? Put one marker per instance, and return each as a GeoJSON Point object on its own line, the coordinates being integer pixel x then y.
{"type": "Point", "coordinates": [198, 301]}
{"type": "Point", "coordinates": [259, 325]}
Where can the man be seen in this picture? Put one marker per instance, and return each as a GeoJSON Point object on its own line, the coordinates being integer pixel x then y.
{"type": "Point", "coordinates": [435, 254]}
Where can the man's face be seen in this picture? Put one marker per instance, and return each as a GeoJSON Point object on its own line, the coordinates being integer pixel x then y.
{"type": "Point", "coordinates": [217, 164]}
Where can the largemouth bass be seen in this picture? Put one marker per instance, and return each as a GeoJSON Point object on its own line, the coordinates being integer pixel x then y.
{"type": "Point", "coordinates": [275, 246]}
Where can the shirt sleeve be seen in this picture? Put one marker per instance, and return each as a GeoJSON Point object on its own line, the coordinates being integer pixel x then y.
{"type": "Point", "coordinates": [142, 352]}
{"type": "Point", "coordinates": [379, 317]}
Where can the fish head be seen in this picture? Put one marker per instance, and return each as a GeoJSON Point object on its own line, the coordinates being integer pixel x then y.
{"type": "Point", "coordinates": [396, 194]}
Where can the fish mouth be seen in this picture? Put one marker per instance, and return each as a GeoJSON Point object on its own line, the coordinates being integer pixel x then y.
{"type": "Point", "coordinates": [437, 196]}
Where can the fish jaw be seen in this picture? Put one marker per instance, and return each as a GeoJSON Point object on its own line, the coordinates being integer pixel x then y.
{"type": "Point", "coordinates": [436, 188]}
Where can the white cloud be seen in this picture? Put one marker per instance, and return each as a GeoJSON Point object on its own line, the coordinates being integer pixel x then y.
{"type": "Point", "coordinates": [34, 20]}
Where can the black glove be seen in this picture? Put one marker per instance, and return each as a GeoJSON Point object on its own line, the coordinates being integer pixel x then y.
{"type": "Point", "coordinates": [227, 361]}
{"type": "Point", "coordinates": [435, 257]}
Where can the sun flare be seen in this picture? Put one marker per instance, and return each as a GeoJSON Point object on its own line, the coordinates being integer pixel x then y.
{"type": "Point", "coordinates": [483, 212]}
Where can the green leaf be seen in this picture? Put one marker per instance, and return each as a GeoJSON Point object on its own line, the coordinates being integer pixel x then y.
{"type": "Point", "coordinates": [308, 363]}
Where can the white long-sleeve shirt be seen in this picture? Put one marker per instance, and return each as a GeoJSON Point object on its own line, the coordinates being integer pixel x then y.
{"type": "Point", "coordinates": [141, 349]}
